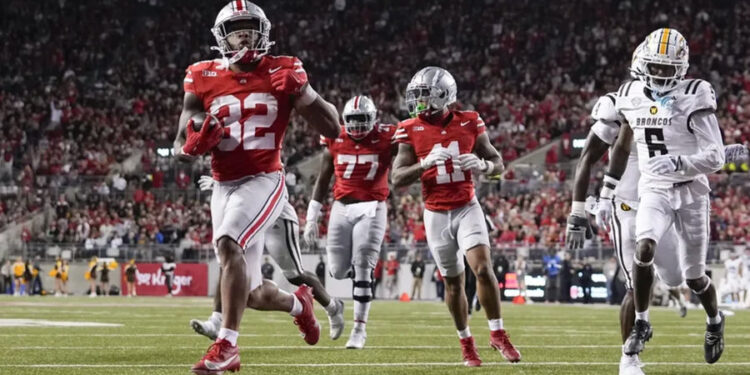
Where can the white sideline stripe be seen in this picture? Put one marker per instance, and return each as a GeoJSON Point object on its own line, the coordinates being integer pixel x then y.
{"type": "Point", "coordinates": [401, 364]}
{"type": "Point", "coordinates": [308, 347]}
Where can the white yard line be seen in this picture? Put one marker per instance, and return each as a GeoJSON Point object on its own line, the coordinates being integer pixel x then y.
{"type": "Point", "coordinates": [321, 347]}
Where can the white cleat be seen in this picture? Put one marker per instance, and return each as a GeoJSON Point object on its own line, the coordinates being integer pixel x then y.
{"type": "Point", "coordinates": [336, 321]}
{"type": "Point", "coordinates": [205, 328]}
{"type": "Point", "coordinates": [630, 365]}
{"type": "Point", "coordinates": [357, 339]}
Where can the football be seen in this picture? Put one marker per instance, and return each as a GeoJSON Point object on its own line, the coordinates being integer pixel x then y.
{"type": "Point", "coordinates": [199, 118]}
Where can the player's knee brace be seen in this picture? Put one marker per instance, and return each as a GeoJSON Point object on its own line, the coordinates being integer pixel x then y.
{"type": "Point", "coordinates": [644, 253]}
{"type": "Point", "coordinates": [362, 291]}
{"type": "Point", "coordinates": [699, 286]}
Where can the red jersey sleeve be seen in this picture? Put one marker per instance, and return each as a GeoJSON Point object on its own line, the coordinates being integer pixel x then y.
{"type": "Point", "coordinates": [480, 125]}
{"type": "Point", "coordinates": [401, 135]}
{"type": "Point", "coordinates": [189, 82]}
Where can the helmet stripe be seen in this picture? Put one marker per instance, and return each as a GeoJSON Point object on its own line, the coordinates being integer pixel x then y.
{"type": "Point", "coordinates": [239, 5]}
{"type": "Point", "coordinates": [664, 41]}
{"type": "Point", "coordinates": [356, 102]}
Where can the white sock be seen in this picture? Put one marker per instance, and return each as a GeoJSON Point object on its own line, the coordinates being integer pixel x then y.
{"type": "Point", "coordinates": [215, 318]}
{"type": "Point", "coordinates": [229, 335]}
{"type": "Point", "coordinates": [496, 324]}
{"type": "Point", "coordinates": [714, 320]}
{"type": "Point", "coordinates": [641, 315]}
{"type": "Point", "coordinates": [296, 306]}
{"type": "Point", "coordinates": [332, 307]}
{"type": "Point", "coordinates": [362, 295]}
{"type": "Point", "coordinates": [465, 333]}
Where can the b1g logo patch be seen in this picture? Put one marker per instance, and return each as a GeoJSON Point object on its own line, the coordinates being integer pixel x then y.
{"type": "Point", "coordinates": [625, 207]}
{"type": "Point", "coordinates": [653, 110]}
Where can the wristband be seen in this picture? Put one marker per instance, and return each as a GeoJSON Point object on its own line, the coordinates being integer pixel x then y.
{"type": "Point", "coordinates": [307, 96]}
{"type": "Point", "coordinates": [490, 167]}
{"type": "Point", "coordinates": [313, 210]}
{"type": "Point", "coordinates": [578, 209]}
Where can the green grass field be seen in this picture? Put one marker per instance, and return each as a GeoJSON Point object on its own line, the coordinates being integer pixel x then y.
{"type": "Point", "coordinates": [403, 338]}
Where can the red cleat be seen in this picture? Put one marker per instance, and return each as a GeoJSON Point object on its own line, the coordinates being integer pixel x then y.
{"type": "Point", "coordinates": [469, 351]}
{"type": "Point", "coordinates": [221, 356]}
{"type": "Point", "coordinates": [306, 322]}
{"type": "Point", "coordinates": [499, 340]}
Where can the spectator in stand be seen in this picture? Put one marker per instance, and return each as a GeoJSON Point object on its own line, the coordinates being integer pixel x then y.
{"type": "Point", "coordinates": [551, 270]}
{"type": "Point", "coordinates": [520, 268]}
{"type": "Point", "coordinates": [417, 273]}
{"type": "Point", "coordinates": [586, 282]}
{"type": "Point", "coordinates": [391, 276]}
{"type": "Point", "coordinates": [130, 274]}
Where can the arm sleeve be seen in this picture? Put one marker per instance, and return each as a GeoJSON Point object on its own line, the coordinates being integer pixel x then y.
{"type": "Point", "coordinates": [606, 131]}
{"type": "Point", "coordinates": [480, 125]}
{"type": "Point", "coordinates": [711, 156]}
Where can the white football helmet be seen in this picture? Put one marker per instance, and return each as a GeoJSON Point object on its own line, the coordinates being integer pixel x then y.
{"type": "Point", "coordinates": [662, 60]}
{"type": "Point", "coordinates": [242, 15]}
{"type": "Point", "coordinates": [430, 90]}
{"type": "Point", "coordinates": [359, 116]}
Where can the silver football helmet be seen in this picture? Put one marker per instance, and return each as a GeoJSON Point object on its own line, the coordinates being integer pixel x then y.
{"type": "Point", "coordinates": [242, 16]}
{"type": "Point", "coordinates": [662, 59]}
{"type": "Point", "coordinates": [359, 116]}
{"type": "Point", "coordinates": [431, 90]}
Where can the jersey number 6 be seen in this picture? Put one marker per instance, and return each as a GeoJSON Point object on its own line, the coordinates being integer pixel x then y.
{"type": "Point", "coordinates": [655, 142]}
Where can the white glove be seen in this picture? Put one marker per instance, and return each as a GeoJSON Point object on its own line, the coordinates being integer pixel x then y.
{"type": "Point", "coordinates": [736, 153]}
{"type": "Point", "coordinates": [471, 162]}
{"type": "Point", "coordinates": [435, 156]}
{"type": "Point", "coordinates": [664, 164]}
{"type": "Point", "coordinates": [603, 213]}
{"type": "Point", "coordinates": [310, 235]}
{"type": "Point", "coordinates": [206, 183]}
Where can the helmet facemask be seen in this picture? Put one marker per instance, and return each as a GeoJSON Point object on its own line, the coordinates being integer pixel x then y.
{"type": "Point", "coordinates": [660, 75]}
{"type": "Point", "coordinates": [359, 125]}
{"type": "Point", "coordinates": [423, 99]}
{"type": "Point", "coordinates": [251, 34]}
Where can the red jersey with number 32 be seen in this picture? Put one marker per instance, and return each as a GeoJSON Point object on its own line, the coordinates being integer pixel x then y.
{"type": "Point", "coordinates": [255, 116]}
{"type": "Point", "coordinates": [444, 186]}
{"type": "Point", "coordinates": [361, 167]}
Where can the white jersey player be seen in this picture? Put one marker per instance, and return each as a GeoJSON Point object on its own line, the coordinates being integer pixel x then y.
{"type": "Point", "coordinates": [733, 277]}
{"type": "Point", "coordinates": [671, 122]}
{"type": "Point", "coordinates": [282, 243]}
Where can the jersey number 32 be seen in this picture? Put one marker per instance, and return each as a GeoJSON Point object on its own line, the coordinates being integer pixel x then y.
{"type": "Point", "coordinates": [257, 110]}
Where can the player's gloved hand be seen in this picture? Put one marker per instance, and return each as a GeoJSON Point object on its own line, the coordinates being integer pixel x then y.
{"type": "Point", "coordinates": [736, 153]}
{"type": "Point", "coordinates": [663, 164]}
{"type": "Point", "coordinates": [577, 231]}
{"type": "Point", "coordinates": [206, 183]}
{"type": "Point", "coordinates": [289, 81]}
{"type": "Point", "coordinates": [471, 162]}
{"type": "Point", "coordinates": [199, 143]}
{"type": "Point", "coordinates": [435, 156]}
{"type": "Point", "coordinates": [310, 234]}
{"type": "Point", "coordinates": [604, 213]}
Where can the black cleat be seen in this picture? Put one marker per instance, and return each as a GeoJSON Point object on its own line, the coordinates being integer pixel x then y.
{"type": "Point", "coordinates": [714, 344]}
{"type": "Point", "coordinates": [683, 311]}
{"type": "Point", "coordinates": [641, 333]}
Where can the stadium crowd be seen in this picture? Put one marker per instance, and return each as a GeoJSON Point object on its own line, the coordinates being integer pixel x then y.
{"type": "Point", "coordinates": [83, 107]}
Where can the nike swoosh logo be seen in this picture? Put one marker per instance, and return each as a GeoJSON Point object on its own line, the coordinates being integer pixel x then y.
{"type": "Point", "coordinates": [217, 366]}
{"type": "Point", "coordinates": [465, 123]}
{"type": "Point", "coordinates": [274, 70]}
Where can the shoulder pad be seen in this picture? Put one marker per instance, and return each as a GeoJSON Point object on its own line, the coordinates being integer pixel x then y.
{"type": "Point", "coordinates": [701, 95]}
{"type": "Point", "coordinates": [604, 109]}
{"type": "Point", "coordinates": [627, 88]}
{"type": "Point", "coordinates": [284, 61]}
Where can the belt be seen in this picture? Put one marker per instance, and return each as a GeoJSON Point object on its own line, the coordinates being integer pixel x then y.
{"type": "Point", "coordinates": [683, 183]}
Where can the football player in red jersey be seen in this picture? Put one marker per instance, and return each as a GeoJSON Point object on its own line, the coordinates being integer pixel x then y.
{"type": "Point", "coordinates": [252, 95]}
{"type": "Point", "coordinates": [445, 148]}
{"type": "Point", "coordinates": [360, 158]}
